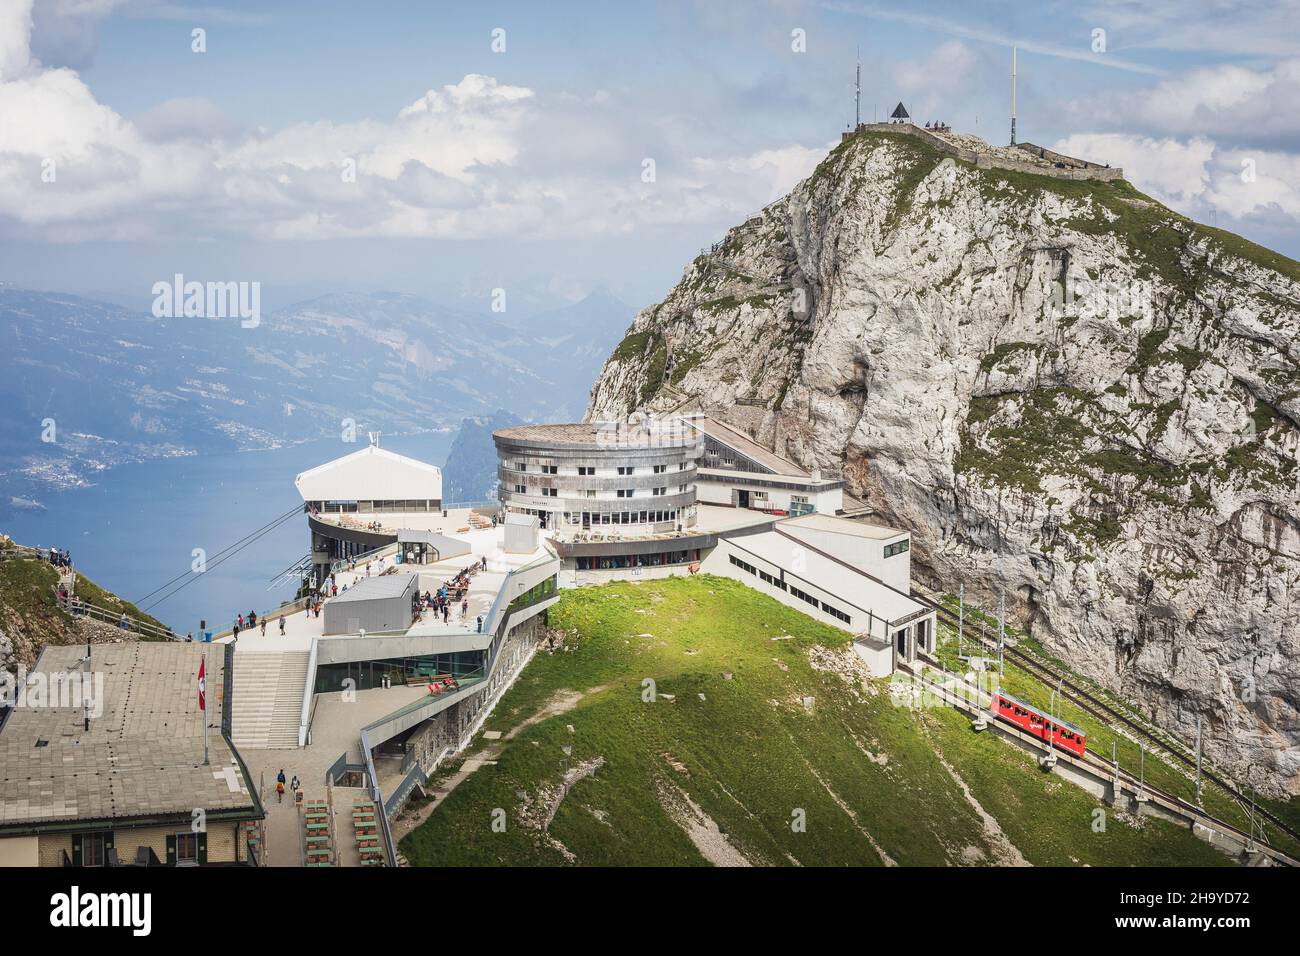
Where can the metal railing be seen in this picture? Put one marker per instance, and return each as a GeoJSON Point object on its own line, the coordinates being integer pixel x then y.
{"type": "Point", "coordinates": [78, 607]}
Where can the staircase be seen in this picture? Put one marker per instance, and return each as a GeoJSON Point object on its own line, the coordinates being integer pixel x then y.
{"type": "Point", "coordinates": [267, 697]}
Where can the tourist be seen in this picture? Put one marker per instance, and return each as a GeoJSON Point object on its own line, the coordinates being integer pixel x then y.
{"type": "Point", "coordinates": [464, 608]}
{"type": "Point", "coordinates": [236, 629]}
{"type": "Point", "coordinates": [279, 789]}
{"type": "Point", "coordinates": [479, 628]}
{"type": "Point", "coordinates": [294, 785]}
{"type": "Point", "coordinates": [282, 625]}
{"type": "Point", "coordinates": [240, 622]}
{"type": "Point", "coordinates": [264, 627]}
{"type": "Point", "coordinates": [252, 619]}
{"type": "Point", "coordinates": [123, 623]}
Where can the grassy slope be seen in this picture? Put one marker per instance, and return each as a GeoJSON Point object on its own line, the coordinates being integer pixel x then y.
{"type": "Point", "coordinates": [749, 753]}
{"type": "Point", "coordinates": [27, 589]}
{"type": "Point", "coordinates": [28, 602]}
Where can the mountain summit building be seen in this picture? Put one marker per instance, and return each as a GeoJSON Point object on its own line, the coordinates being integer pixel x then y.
{"type": "Point", "coordinates": [676, 496]}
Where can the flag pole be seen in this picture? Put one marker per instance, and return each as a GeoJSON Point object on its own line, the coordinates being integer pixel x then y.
{"type": "Point", "coordinates": [203, 702]}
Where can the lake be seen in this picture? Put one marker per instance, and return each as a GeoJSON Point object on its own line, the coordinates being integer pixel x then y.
{"type": "Point", "coordinates": [136, 528]}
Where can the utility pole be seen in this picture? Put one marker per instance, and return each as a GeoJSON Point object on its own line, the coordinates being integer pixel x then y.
{"type": "Point", "coordinates": [1198, 758]}
{"type": "Point", "coordinates": [1002, 611]}
{"type": "Point", "coordinates": [961, 619]}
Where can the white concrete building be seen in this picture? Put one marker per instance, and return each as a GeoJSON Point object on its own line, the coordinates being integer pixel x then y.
{"type": "Point", "coordinates": [372, 480]}
{"type": "Point", "coordinates": [736, 472]}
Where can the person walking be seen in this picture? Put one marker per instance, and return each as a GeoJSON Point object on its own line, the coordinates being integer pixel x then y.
{"type": "Point", "coordinates": [236, 629]}
{"type": "Point", "coordinates": [282, 625]}
{"type": "Point", "coordinates": [264, 627]}
{"type": "Point", "coordinates": [279, 790]}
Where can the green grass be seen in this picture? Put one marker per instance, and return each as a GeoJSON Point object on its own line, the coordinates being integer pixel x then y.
{"type": "Point", "coordinates": [92, 593]}
{"type": "Point", "coordinates": [747, 752]}
{"type": "Point", "coordinates": [27, 589]}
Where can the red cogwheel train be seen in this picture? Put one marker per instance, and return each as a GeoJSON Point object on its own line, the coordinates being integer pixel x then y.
{"type": "Point", "coordinates": [1029, 718]}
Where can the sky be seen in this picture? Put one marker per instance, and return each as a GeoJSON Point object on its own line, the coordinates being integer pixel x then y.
{"type": "Point", "coordinates": [450, 149]}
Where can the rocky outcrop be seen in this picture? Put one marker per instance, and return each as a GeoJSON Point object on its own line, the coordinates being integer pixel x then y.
{"type": "Point", "coordinates": [1061, 388]}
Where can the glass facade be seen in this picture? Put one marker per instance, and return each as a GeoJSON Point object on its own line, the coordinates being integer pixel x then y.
{"type": "Point", "coordinates": [465, 666]}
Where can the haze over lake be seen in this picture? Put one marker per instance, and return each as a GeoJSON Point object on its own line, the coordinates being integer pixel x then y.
{"type": "Point", "coordinates": [137, 526]}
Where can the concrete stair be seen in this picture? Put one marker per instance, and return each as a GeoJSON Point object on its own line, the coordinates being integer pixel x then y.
{"type": "Point", "coordinates": [267, 696]}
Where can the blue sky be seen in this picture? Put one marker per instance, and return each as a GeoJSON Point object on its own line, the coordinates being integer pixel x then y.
{"type": "Point", "coordinates": [522, 169]}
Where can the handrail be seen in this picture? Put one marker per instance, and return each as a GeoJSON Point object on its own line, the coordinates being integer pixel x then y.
{"type": "Point", "coordinates": [78, 606]}
{"type": "Point", "coordinates": [308, 696]}
{"type": "Point", "coordinates": [340, 564]}
{"type": "Point", "coordinates": [494, 616]}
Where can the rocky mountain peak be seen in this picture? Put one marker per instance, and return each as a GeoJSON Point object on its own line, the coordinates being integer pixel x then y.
{"type": "Point", "coordinates": [1061, 387]}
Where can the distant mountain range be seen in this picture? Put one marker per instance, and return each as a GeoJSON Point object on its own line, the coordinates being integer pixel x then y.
{"type": "Point", "coordinates": [118, 385]}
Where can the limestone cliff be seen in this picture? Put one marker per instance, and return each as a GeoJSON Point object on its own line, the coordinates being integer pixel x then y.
{"type": "Point", "coordinates": [1060, 387]}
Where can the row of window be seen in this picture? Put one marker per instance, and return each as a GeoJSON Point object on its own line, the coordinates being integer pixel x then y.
{"type": "Point", "coordinates": [590, 470]}
{"type": "Point", "coordinates": [897, 548]}
{"type": "Point", "coordinates": [184, 847]}
{"type": "Point", "coordinates": [804, 596]}
{"type": "Point", "coordinates": [657, 559]}
{"type": "Point", "coordinates": [620, 493]}
{"type": "Point", "coordinates": [588, 518]}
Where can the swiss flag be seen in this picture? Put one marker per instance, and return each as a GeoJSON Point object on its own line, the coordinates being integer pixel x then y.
{"type": "Point", "coordinates": [203, 686]}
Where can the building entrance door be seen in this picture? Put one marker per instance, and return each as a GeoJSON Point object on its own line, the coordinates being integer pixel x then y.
{"type": "Point", "coordinates": [742, 499]}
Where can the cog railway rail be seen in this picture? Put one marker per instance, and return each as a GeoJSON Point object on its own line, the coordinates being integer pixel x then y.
{"type": "Point", "coordinates": [1099, 709]}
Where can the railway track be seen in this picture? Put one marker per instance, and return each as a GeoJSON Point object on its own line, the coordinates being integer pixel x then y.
{"type": "Point", "coordinates": [1104, 766]}
{"type": "Point", "coordinates": [1099, 709]}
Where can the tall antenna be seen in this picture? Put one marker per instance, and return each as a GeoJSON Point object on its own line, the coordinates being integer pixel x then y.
{"type": "Point", "coordinates": [857, 94]}
{"type": "Point", "coordinates": [1013, 95]}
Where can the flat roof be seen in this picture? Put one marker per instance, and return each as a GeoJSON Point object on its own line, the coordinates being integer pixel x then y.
{"type": "Point", "coordinates": [600, 434]}
{"type": "Point", "coordinates": [871, 594]}
{"type": "Point", "coordinates": [751, 449]}
{"type": "Point", "coordinates": [829, 523]}
{"type": "Point", "coordinates": [377, 588]}
{"type": "Point", "coordinates": [142, 757]}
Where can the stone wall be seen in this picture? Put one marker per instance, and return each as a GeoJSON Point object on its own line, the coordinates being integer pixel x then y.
{"type": "Point", "coordinates": [985, 161]}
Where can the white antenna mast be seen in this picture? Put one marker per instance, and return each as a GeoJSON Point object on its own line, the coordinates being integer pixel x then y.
{"type": "Point", "coordinates": [857, 94]}
{"type": "Point", "coordinates": [1013, 95]}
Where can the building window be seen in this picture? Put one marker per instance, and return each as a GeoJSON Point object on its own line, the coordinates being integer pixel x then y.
{"type": "Point", "coordinates": [897, 547]}
{"type": "Point", "coordinates": [93, 846]}
{"type": "Point", "coordinates": [626, 470]}
{"type": "Point", "coordinates": [586, 470]}
{"type": "Point", "coordinates": [625, 492]}
{"type": "Point", "coordinates": [551, 492]}
{"type": "Point", "coordinates": [591, 494]}
{"type": "Point", "coordinates": [550, 470]}
{"type": "Point", "coordinates": [520, 489]}
{"type": "Point", "coordinates": [521, 466]}
{"type": "Point", "coordinates": [187, 848]}
{"type": "Point", "coordinates": [660, 491]}
{"type": "Point", "coordinates": [660, 469]}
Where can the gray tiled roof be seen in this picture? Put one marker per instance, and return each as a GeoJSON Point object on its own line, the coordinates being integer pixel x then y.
{"type": "Point", "coordinates": [143, 754]}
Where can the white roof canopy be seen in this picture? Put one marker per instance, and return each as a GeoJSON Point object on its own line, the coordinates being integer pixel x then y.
{"type": "Point", "coordinates": [371, 474]}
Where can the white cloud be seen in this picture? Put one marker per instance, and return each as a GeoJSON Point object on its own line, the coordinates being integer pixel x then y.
{"type": "Point", "coordinates": [1228, 101]}
{"type": "Point", "coordinates": [1198, 176]}
{"type": "Point", "coordinates": [472, 159]}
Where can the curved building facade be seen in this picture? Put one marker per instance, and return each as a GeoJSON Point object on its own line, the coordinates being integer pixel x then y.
{"type": "Point", "coordinates": [610, 478]}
